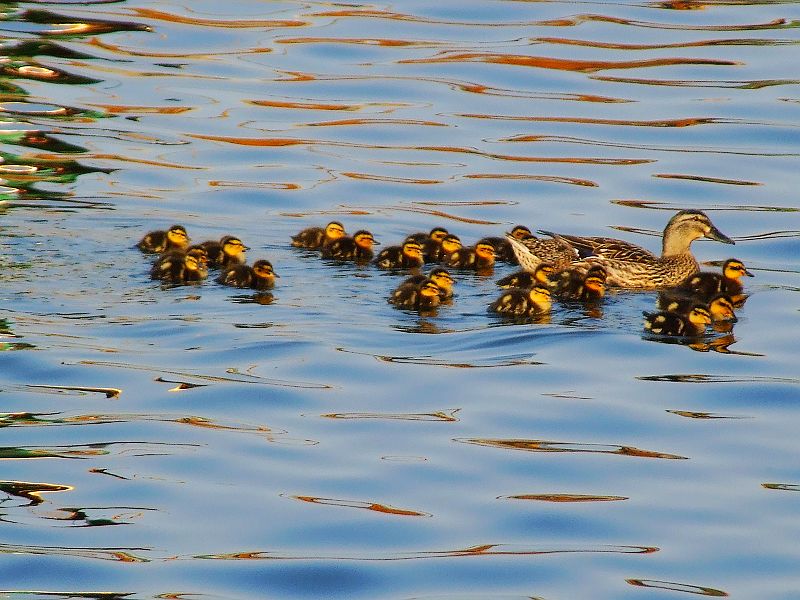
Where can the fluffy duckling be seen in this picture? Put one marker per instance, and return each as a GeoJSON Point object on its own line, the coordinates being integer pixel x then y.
{"type": "Point", "coordinates": [478, 258]}
{"type": "Point", "coordinates": [517, 302]}
{"type": "Point", "coordinates": [157, 242]}
{"type": "Point", "coordinates": [315, 238]}
{"type": "Point", "coordinates": [260, 276]}
{"type": "Point", "coordinates": [357, 248]}
{"type": "Point", "coordinates": [720, 307]}
{"type": "Point", "coordinates": [424, 296]}
{"type": "Point", "coordinates": [179, 267]}
{"type": "Point", "coordinates": [586, 286]}
{"type": "Point", "coordinates": [435, 253]}
{"type": "Point", "coordinates": [502, 247]}
{"type": "Point", "coordinates": [227, 252]}
{"type": "Point", "coordinates": [406, 256]}
{"type": "Point", "coordinates": [437, 233]}
{"type": "Point", "coordinates": [692, 324]}
{"type": "Point", "coordinates": [526, 279]}
{"type": "Point", "coordinates": [440, 277]}
{"type": "Point", "coordinates": [705, 285]}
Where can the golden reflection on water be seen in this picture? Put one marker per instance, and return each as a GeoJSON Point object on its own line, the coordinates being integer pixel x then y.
{"type": "Point", "coordinates": [552, 446]}
{"type": "Point", "coordinates": [678, 587]}
{"type": "Point", "coordinates": [373, 506]}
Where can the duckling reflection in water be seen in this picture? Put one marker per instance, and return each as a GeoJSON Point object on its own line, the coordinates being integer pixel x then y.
{"type": "Point", "coordinates": [518, 302]}
{"type": "Point", "coordinates": [671, 324]}
{"type": "Point", "coordinates": [440, 277]}
{"type": "Point", "coordinates": [425, 296]}
{"type": "Point", "coordinates": [406, 256]}
{"type": "Point", "coordinates": [525, 279]}
{"type": "Point", "coordinates": [357, 248]}
{"type": "Point", "coordinates": [156, 242]}
{"type": "Point", "coordinates": [260, 276]}
{"type": "Point", "coordinates": [227, 252]}
{"type": "Point", "coordinates": [179, 267]}
{"type": "Point", "coordinates": [314, 238]}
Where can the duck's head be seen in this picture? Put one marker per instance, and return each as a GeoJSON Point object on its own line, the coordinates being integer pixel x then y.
{"type": "Point", "coordinates": [364, 239]}
{"type": "Point", "coordinates": [451, 243]}
{"type": "Point", "coordinates": [233, 246]}
{"type": "Point", "coordinates": [412, 249]}
{"type": "Point", "coordinates": [520, 232]}
{"type": "Point", "coordinates": [687, 226]}
{"type": "Point", "coordinates": [334, 230]}
{"type": "Point", "coordinates": [429, 289]}
{"type": "Point", "coordinates": [485, 251]}
{"type": "Point", "coordinates": [437, 234]}
{"type": "Point", "coordinates": [540, 295]}
{"type": "Point", "coordinates": [734, 269]}
{"type": "Point", "coordinates": [200, 253]}
{"type": "Point", "coordinates": [543, 272]}
{"type": "Point", "coordinates": [442, 278]}
{"type": "Point", "coordinates": [177, 235]}
{"type": "Point", "coordinates": [721, 308]}
{"type": "Point", "coordinates": [700, 315]}
{"type": "Point", "coordinates": [192, 263]}
{"type": "Point", "coordinates": [263, 268]}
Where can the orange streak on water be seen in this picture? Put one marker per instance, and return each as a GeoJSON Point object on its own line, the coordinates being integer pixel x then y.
{"type": "Point", "coordinates": [552, 178]}
{"type": "Point", "coordinates": [270, 142]}
{"type": "Point", "coordinates": [360, 41]}
{"type": "Point", "coordinates": [252, 184]}
{"type": "Point", "coordinates": [304, 105]}
{"type": "Point", "coordinates": [706, 179]}
{"type": "Point", "coordinates": [374, 506]}
{"type": "Point", "coordinates": [235, 24]}
{"type": "Point", "coordinates": [562, 64]}
{"type": "Point", "coordinates": [567, 497]}
{"type": "Point", "coordinates": [154, 163]}
{"type": "Point", "coordinates": [159, 110]}
{"type": "Point", "coordinates": [120, 50]}
{"type": "Point", "coordinates": [689, 122]}
{"type": "Point", "coordinates": [620, 46]}
{"type": "Point", "coordinates": [368, 177]}
{"type": "Point", "coordinates": [347, 122]}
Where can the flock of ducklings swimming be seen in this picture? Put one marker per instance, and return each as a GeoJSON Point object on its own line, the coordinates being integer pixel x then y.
{"type": "Point", "coordinates": [565, 267]}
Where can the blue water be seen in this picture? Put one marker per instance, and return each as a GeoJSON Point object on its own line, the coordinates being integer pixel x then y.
{"type": "Point", "coordinates": [317, 442]}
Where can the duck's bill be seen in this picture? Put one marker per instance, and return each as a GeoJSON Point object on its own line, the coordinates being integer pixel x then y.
{"type": "Point", "coordinates": [716, 235]}
{"type": "Point", "coordinates": [749, 273]}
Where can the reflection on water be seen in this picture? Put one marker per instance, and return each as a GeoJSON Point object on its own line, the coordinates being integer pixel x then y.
{"type": "Point", "coordinates": [314, 441]}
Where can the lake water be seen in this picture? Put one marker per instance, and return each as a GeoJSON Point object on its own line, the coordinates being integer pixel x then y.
{"type": "Point", "coordinates": [315, 441]}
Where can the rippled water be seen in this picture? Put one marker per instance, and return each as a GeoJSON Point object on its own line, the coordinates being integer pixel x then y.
{"type": "Point", "coordinates": [317, 442]}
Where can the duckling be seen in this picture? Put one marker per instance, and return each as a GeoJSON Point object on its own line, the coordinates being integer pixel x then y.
{"type": "Point", "coordinates": [227, 252]}
{"type": "Point", "coordinates": [437, 233]}
{"type": "Point", "coordinates": [315, 238]}
{"type": "Point", "coordinates": [721, 306]}
{"type": "Point", "coordinates": [502, 247]}
{"type": "Point", "coordinates": [526, 279]}
{"type": "Point", "coordinates": [156, 242]}
{"type": "Point", "coordinates": [705, 285]}
{"type": "Point", "coordinates": [588, 286]}
{"type": "Point", "coordinates": [478, 258]}
{"type": "Point", "coordinates": [435, 253]}
{"type": "Point", "coordinates": [631, 266]}
{"type": "Point", "coordinates": [424, 296]}
{"type": "Point", "coordinates": [518, 302]}
{"type": "Point", "coordinates": [440, 277]}
{"type": "Point", "coordinates": [673, 324]}
{"type": "Point", "coordinates": [357, 248]}
{"type": "Point", "coordinates": [260, 276]}
{"type": "Point", "coordinates": [179, 267]}
{"type": "Point", "coordinates": [407, 256]}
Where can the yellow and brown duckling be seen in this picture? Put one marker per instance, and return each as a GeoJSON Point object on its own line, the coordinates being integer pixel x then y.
{"type": "Point", "coordinates": [673, 324]}
{"type": "Point", "coordinates": [585, 286]}
{"type": "Point", "coordinates": [406, 256]}
{"type": "Point", "coordinates": [157, 242]}
{"type": "Point", "coordinates": [180, 267]}
{"type": "Point", "coordinates": [228, 251]}
{"type": "Point", "coordinates": [261, 276]}
{"type": "Point", "coordinates": [705, 285]}
{"type": "Point", "coordinates": [441, 277]}
{"type": "Point", "coordinates": [436, 252]}
{"type": "Point", "coordinates": [314, 238]}
{"type": "Point", "coordinates": [422, 296]}
{"type": "Point", "coordinates": [525, 279]}
{"type": "Point", "coordinates": [517, 302]}
{"type": "Point", "coordinates": [631, 266]}
{"type": "Point", "coordinates": [502, 247]}
{"type": "Point", "coordinates": [720, 307]}
{"type": "Point", "coordinates": [480, 257]}
{"type": "Point", "coordinates": [437, 233]}
{"type": "Point", "coordinates": [357, 248]}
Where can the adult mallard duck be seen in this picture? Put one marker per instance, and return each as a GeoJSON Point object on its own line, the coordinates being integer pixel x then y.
{"type": "Point", "coordinates": [531, 250]}
{"type": "Point", "coordinates": [261, 276]}
{"type": "Point", "coordinates": [525, 279]}
{"type": "Point", "coordinates": [156, 242]}
{"type": "Point", "coordinates": [631, 266]}
{"type": "Point", "coordinates": [705, 285]}
{"type": "Point", "coordinates": [406, 256]}
{"type": "Point", "coordinates": [357, 248]}
{"type": "Point", "coordinates": [315, 238]}
{"type": "Point", "coordinates": [692, 324]}
{"type": "Point", "coordinates": [518, 302]}
{"type": "Point", "coordinates": [229, 250]}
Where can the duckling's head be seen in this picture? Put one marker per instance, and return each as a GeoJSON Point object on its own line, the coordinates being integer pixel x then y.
{"type": "Point", "coordinates": [192, 263]}
{"type": "Point", "coordinates": [595, 284]}
{"type": "Point", "coordinates": [200, 253]}
{"type": "Point", "coordinates": [429, 289]}
{"type": "Point", "coordinates": [540, 295]}
{"type": "Point", "coordinates": [734, 269]}
{"type": "Point", "coordinates": [437, 234]}
{"type": "Point", "coordinates": [233, 246]}
{"type": "Point", "coordinates": [412, 249]}
{"type": "Point", "coordinates": [543, 272]}
{"type": "Point", "coordinates": [700, 315]}
{"type": "Point", "coordinates": [721, 308]}
{"type": "Point", "coordinates": [520, 232]}
{"type": "Point", "coordinates": [364, 239]}
{"type": "Point", "coordinates": [334, 230]}
{"type": "Point", "coordinates": [687, 226]}
{"type": "Point", "coordinates": [442, 278]}
{"type": "Point", "coordinates": [263, 268]}
{"type": "Point", "coordinates": [484, 250]}
{"type": "Point", "coordinates": [177, 235]}
{"type": "Point", "coordinates": [451, 243]}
